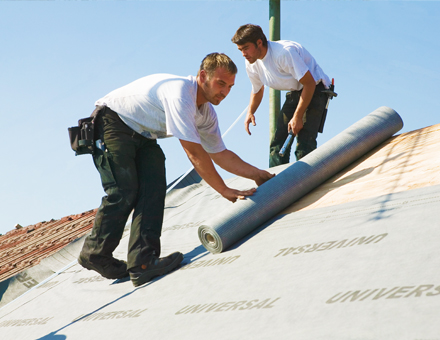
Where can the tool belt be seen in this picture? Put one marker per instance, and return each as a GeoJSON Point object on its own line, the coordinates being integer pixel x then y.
{"type": "Point", "coordinates": [82, 137]}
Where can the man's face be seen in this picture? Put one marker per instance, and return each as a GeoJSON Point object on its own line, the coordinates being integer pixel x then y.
{"type": "Point", "coordinates": [251, 51]}
{"type": "Point", "coordinates": [216, 88]}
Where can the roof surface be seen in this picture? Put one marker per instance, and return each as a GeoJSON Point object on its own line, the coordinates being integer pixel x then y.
{"type": "Point", "coordinates": [24, 248]}
{"type": "Point", "coordinates": [355, 258]}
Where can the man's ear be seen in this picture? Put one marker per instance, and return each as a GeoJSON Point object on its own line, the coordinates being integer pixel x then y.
{"type": "Point", "coordinates": [259, 43]}
{"type": "Point", "coordinates": [202, 76]}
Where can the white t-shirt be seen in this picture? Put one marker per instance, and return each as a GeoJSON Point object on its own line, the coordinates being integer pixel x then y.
{"type": "Point", "coordinates": [284, 64]}
{"type": "Point", "coordinates": [164, 105]}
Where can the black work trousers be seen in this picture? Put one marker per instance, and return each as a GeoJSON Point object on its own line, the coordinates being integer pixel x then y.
{"type": "Point", "coordinates": [132, 170]}
{"type": "Point", "coordinates": [306, 139]}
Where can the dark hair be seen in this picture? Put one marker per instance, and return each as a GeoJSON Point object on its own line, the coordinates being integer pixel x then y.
{"type": "Point", "coordinates": [249, 33]}
{"type": "Point", "coordinates": [215, 60]}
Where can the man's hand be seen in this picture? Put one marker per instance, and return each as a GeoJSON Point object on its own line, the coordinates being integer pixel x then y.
{"type": "Point", "coordinates": [295, 125]}
{"type": "Point", "coordinates": [232, 194]}
{"type": "Point", "coordinates": [253, 106]}
{"type": "Point", "coordinates": [250, 118]}
{"type": "Point", "coordinates": [263, 176]}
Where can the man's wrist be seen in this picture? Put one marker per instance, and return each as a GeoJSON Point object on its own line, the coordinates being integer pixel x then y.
{"type": "Point", "coordinates": [256, 174]}
{"type": "Point", "coordinates": [223, 190]}
{"type": "Point", "coordinates": [297, 116]}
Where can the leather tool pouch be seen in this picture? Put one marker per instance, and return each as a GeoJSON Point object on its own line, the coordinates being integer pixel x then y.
{"type": "Point", "coordinates": [321, 124]}
{"type": "Point", "coordinates": [82, 137]}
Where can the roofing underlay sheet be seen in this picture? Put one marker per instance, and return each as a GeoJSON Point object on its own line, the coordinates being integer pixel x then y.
{"type": "Point", "coordinates": [356, 258]}
{"type": "Point", "coordinates": [26, 280]}
{"type": "Point", "coordinates": [303, 176]}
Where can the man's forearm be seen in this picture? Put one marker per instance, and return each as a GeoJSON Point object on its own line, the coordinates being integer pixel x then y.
{"type": "Point", "coordinates": [307, 92]}
{"type": "Point", "coordinates": [255, 100]}
{"type": "Point", "coordinates": [296, 123]}
{"type": "Point", "coordinates": [304, 101]}
{"type": "Point", "coordinates": [205, 168]}
{"type": "Point", "coordinates": [230, 162]}
{"type": "Point", "coordinates": [202, 163]}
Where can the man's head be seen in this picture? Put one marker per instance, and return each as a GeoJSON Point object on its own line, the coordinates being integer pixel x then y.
{"type": "Point", "coordinates": [249, 34]}
{"type": "Point", "coordinates": [216, 77]}
{"type": "Point", "coordinates": [215, 60]}
{"type": "Point", "coordinates": [251, 41]}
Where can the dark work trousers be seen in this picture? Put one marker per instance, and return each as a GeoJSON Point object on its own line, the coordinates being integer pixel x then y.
{"type": "Point", "coordinates": [306, 139]}
{"type": "Point", "coordinates": [132, 170]}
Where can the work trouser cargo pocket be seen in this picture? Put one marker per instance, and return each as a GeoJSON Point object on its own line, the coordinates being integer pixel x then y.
{"type": "Point", "coordinates": [103, 164]}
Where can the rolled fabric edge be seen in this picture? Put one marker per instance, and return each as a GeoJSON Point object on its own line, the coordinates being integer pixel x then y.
{"type": "Point", "coordinates": [210, 239]}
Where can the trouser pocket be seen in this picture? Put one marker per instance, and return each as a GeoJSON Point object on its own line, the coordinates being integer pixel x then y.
{"type": "Point", "coordinates": [103, 164]}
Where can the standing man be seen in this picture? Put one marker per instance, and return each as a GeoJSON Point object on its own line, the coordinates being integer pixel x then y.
{"type": "Point", "coordinates": [287, 66]}
{"type": "Point", "coordinates": [132, 164]}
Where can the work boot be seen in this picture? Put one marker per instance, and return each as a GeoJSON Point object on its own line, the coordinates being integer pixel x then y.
{"type": "Point", "coordinates": [155, 267]}
{"type": "Point", "coordinates": [109, 268]}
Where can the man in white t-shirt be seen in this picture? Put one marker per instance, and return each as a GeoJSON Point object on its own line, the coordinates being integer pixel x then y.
{"type": "Point", "coordinates": [132, 164]}
{"type": "Point", "coordinates": [287, 66]}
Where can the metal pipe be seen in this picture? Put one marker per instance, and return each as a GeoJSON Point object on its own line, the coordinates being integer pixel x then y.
{"type": "Point", "coordinates": [274, 95]}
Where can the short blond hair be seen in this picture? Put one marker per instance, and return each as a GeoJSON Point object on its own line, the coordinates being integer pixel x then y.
{"type": "Point", "coordinates": [215, 60]}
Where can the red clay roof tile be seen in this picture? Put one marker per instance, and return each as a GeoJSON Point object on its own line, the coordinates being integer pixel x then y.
{"type": "Point", "coordinates": [23, 248]}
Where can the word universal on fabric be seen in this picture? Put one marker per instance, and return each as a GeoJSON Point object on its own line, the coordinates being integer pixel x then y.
{"type": "Point", "coordinates": [228, 306]}
{"type": "Point", "coordinates": [208, 263]}
{"type": "Point", "coordinates": [120, 314]}
{"type": "Point", "coordinates": [331, 245]}
{"type": "Point", "coordinates": [386, 293]}
{"type": "Point", "coordinates": [24, 322]}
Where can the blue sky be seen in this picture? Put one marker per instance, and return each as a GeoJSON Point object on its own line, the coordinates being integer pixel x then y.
{"type": "Point", "coordinates": [57, 58]}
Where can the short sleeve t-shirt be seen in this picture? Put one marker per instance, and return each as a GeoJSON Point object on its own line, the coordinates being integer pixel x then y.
{"type": "Point", "coordinates": [284, 64]}
{"type": "Point", "coordinates": [164, 105]}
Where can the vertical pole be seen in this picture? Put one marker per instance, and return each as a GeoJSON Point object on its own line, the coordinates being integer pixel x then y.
{"type": "Point", "coordinates": [274, 95]}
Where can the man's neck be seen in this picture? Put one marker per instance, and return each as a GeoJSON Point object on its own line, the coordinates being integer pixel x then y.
{"type": "Point", "coordinates": [200, 98]}
{"type": "Point", "coordinates": [263, 51]}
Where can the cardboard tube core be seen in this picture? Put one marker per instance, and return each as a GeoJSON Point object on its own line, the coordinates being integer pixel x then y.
{"type": "Point", "coordinates": [210, 238]}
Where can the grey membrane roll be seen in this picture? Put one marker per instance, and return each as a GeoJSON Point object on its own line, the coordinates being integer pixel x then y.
{"type": "Point", "coordinates": [223, 230]}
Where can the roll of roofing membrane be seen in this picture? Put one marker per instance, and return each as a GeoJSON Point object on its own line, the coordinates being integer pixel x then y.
{"type": "Point", "coordinates": [223, 230]}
